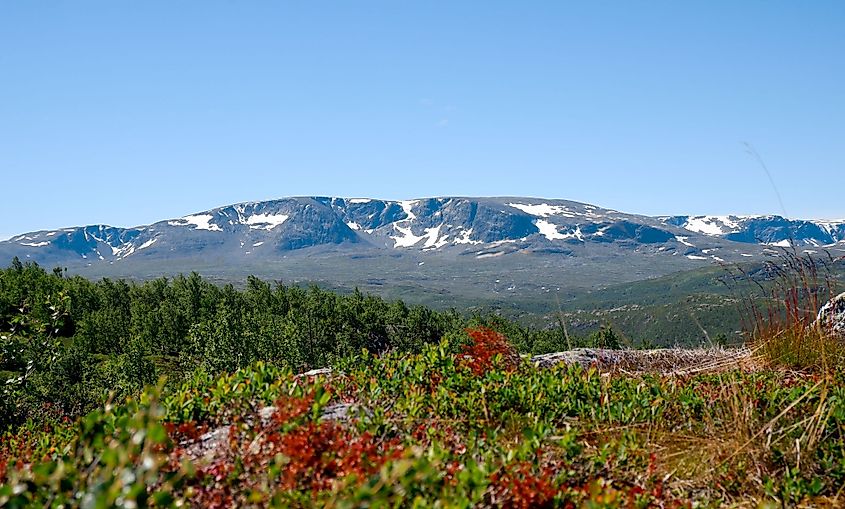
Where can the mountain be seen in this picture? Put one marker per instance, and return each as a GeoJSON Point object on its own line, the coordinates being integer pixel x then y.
{"type": "Point", "coordinates": [447, 248]}
{"type": "Point", "coordinates": [768, 230]}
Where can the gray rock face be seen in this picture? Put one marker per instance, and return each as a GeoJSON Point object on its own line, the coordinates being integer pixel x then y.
{"type": "Point", "coordinates": [210, 445]}
{"type": "Point", "coordinates": [665, 361]}
{"type": "Point", "coordinates": [832, 316]}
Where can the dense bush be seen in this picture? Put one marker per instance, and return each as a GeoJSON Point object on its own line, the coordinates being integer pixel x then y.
{"type": "Point", "coordinates": [69, 342]}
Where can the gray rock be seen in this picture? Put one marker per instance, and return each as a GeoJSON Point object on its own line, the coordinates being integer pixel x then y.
{"type": "Point", "coordinates": [583, 356]}
{"type": "Point", "coordinates": [337, 412]}
{"type": "Point", "coordinates": [664, 360]}
{"type": "Point", "coordinates": [334, 412]}
{"type": "Point", "coordinates": [315, 372]}
{"type": "Point", "coordinates": [265, 415]}
{"type": "Point", "coordinates": [832, 316]}
{"type": "Point", "coordinates": [209, 445]}
{"type": "Point", "coordinates": [215, 443]}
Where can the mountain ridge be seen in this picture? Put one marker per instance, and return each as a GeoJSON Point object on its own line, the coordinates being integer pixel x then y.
{"type": "Point", "coordinates": [434, 222]}
{"type": "Point", "coordinates": [498, 247]}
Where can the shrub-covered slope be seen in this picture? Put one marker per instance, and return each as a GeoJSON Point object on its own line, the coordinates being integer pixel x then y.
{"type": "Point", "coordinates": [474, 427]}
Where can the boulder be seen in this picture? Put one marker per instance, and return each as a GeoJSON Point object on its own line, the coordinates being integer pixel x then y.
{"type": "Point", "coordinates": [337, 412]}
{"type": "Point", "coordinates": [664, 360]}
{"type": "Point", "coordinates": [832, 316]}
{"type": "Point", "coordinates": [210, 446]}
{"type": "Point", "coordinates": [315, 372]}
{"type": "Point", "coordinates": [333, 412]}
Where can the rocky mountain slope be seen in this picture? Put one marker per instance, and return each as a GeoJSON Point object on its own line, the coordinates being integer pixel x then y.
{"type": "Point", "coordinates": [501, 244]}
{"type": "Point", "coordinates": [769, 230]}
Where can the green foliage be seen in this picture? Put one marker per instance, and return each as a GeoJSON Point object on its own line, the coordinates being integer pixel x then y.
{"type": "Point", "coordinates": [135, 367]}
{"type": "Point", "coordinates": [438, 415]}
{"type": "Point", "coordinates": [70, 343]}
{"type": "Point", "coordinates": [110, 459]}
{"type": "Point", "coordinates": [605, 338]}
{"type": "Point", "coordinates": [425, 429]}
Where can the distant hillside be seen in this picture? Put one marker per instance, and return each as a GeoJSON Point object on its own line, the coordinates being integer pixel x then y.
{"type": "Point", "coordinates": [437, 250]}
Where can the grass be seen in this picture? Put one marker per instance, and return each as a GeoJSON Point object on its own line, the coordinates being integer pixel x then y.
{"type": "Point", "coordinates": [784, 330]}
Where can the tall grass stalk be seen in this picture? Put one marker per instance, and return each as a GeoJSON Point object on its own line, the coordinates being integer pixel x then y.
{"type": "Point", "coordinates": [779, 317]}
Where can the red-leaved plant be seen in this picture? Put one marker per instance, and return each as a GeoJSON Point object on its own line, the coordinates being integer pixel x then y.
{"type": "Point", "coordinates": [486, 345]}
{"type": "Point", "coordinates": [518, 487]}
{"type": "Point", "coordinates": [309, 456]}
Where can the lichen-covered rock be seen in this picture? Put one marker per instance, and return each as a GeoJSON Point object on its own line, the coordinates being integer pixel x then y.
{"type": "Point", "coordinates": [665, 361]}
{"type": "Point", "coordinates": [832, 316]}
{"type": "Point", "coordinates": [315, 372]}
{"type": "Point", "coordinates": [333, 412]}
{"type": "Point", "coordinates": [337, 412]}
{"type": "Point", "coordinates": [211, 445]}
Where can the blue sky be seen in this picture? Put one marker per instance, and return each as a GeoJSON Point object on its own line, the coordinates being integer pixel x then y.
{"type": "Point", "coordinates": [125, 112]}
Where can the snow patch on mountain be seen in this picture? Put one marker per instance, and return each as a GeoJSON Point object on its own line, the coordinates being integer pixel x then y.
{"type": "Point", "coordinates": [543, 209]}
{"type": "Point", "coordinates": [265, 221]}
{"type": "Point", "coordinates": [407, 239]}
{"type": "Point", "coordinates": [712, 225]}
{"type": "Point", "coordinates": [122, 251]}
{"type": "Point", "coordinates": [147, 244]}
{"type": "Point", "coordinates": [199, 222]}
{"type": "Point", "coordinates": [780, 243]}
{"type": "Point", "coordinates": [35, 244]}
{"type": "Point", "coordinates": [548, 230]}
{"type": "Point", "coordinates": [683, 240]}
{"type": "Point", "coordinates": [831, 227]}
{"type": "Point", "coordinates": [433, 240]}
{"type": "Point", "coordinates": [407, 208]}
{"type": "Point", "coordinates": [575, 234]}
{"type": "Point", "coordinates": [465, 238]}
{"type": "Point", "coordinates": [489, 255]}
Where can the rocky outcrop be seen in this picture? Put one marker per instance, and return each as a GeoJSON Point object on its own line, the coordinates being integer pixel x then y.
{"type": "Point", "coordinates": [665, 361]}
{"type": "Point", "coordinates": [211, 445]}
{"type": "Point", "coordinates": [832, 316]}
{"type": "Point", "coordinates": [216, 443]}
